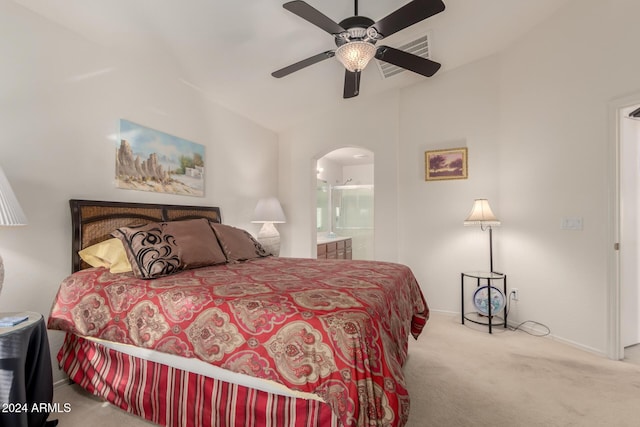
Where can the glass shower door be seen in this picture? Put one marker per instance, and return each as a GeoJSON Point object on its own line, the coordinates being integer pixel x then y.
{"type": "Point", "coordinates": [352, 214]}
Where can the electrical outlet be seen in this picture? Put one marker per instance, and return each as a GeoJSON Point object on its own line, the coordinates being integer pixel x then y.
{"type": "Point", "coordinates": [516, 294]}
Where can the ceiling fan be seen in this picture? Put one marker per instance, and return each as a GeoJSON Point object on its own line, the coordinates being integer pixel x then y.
{"type": "Point", "coordinates": [356, 36]}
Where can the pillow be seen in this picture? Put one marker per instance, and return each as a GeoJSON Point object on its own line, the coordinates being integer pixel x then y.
{"type": "Point", "coordinates": [108, 254]}
{"type": "Point", "coordinates": [162, 248]}
{"type": "Point", "coordinates": [151, 251]}
{"type": "Point", "coordinates": [197, 243]}
{"type": "Point", "coordinates": [237, 244]}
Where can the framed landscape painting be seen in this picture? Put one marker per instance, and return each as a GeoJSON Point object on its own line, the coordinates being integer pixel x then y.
{"type": "Point", "coordinates": [150, 160]}
{"type": "Point", "coordinates": [445, 164]}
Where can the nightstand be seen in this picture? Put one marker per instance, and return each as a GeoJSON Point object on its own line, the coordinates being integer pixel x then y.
{"type": "Point", "coordinates": [484, 281]}
{"type": "Point", "coordinates": [26, 382]}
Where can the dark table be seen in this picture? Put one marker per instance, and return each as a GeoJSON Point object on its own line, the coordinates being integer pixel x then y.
{"type": "Point", "coordinates": [26, 382]}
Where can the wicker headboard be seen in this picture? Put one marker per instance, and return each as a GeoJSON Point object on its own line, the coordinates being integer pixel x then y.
{"type": "Point", "coordinates": [93, 221]}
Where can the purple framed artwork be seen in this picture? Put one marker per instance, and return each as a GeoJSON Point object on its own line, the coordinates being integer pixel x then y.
{"type": "Point", "coordinates": [445, 164]}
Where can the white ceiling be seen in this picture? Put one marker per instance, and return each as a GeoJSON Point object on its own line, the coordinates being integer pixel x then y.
{"type": "Point", "coordinates": [228, 49]}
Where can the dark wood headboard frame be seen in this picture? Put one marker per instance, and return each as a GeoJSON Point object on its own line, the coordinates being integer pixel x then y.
{"type": "Point", "coordinates": [92, 221]}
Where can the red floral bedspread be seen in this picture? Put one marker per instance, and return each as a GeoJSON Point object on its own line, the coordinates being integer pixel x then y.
{"type": "Point", "coordinates": [338, 329]}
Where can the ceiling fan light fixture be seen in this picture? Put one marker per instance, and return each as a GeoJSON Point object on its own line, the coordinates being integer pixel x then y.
{"type": "Point", "coordinates": [355, 55]}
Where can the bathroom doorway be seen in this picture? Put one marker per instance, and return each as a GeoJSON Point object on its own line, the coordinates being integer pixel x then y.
{"type": "Point", "coordinates": [345, 199]}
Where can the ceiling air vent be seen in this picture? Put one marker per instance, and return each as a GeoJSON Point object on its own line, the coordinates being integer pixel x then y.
{"type": "Point", "coordinates": [419, 47]}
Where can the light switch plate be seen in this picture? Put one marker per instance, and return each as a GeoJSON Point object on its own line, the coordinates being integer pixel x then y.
{"type": "Point", "coordinates": [571, 223]}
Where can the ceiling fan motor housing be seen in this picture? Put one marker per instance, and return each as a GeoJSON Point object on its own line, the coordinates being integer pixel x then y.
{"type": "Point", "coordinates": [356, 28]}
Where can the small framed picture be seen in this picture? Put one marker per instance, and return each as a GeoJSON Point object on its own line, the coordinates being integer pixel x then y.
{"type": "Point", "coordinates": [445, 164]}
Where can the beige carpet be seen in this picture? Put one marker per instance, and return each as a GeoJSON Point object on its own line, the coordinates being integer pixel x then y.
{"type": "Point", "coordinates": [461, 376]}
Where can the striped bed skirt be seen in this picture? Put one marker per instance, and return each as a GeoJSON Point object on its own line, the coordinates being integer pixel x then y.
{"type": "Point", "coordinates": [173, 397]}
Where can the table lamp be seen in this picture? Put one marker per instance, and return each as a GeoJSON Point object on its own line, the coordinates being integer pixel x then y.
{"type": "Point", "coordinates": [482, 215]}
{"type": "Point", "coordinates": [11, 213]}
{"type": "Point", "coordinates": [268, 212]}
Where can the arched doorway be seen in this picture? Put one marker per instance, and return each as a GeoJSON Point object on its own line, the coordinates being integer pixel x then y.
{"type": "Point", "coordinates": [345, 199]}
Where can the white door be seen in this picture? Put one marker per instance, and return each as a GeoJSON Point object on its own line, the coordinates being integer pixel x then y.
{"type": "Point", "coordinates": [629, 227]}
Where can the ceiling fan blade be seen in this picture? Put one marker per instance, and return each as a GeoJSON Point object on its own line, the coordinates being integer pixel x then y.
{"type": "Point", "coordinates": [302, 64]}
{"type": "Point", "coordinates": [317, 18]}
{"type": "Point", "coordinates": [409, 14]}
{"type": "Point", "coordinates": [351, 83]}
{"type": "Point", "coordinates": [408, 61]}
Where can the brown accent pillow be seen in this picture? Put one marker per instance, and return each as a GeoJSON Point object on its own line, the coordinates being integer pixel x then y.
{"type": "Point", "coordinates": [162, 248]}
{"type": "Point", "coordinates": [197, 243]}
{"type": "Point", "coordinates": [237, 244]}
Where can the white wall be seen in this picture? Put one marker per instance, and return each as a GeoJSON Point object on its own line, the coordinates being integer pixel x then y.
{"type": "Point", "coordinates": [336, 174]}
{"type": "Point", "coordinates": [331, 171]}
{"type": "Point", "coordinates": [535, 120]}
{"type": "Point", "coordinates": [455, 109]}
{"type": "Point", "coordinates": [352, 122]}
{"type": "Point", "coordinates": [556, 85]}
{"type": "Point", "coordinates": [60, 101]}
{"type": "Point", "coordinates": [358, 174]}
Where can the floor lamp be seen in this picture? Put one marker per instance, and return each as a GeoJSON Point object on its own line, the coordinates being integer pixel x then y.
{"type": "Point", "coordinates": [11, 213]}
{"type": "Point", "coordinates": [268, 212]}
{"type": "Point", "coordinates": [482, 215]}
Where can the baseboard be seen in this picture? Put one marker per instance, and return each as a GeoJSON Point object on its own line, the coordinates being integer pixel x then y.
{"type": "Point", "coordinates": [452, 313]}
{"type": "Point", "coordinates": [580, 346]}
{"type": "Point", "coordinates": [61, 383]}
{"type": "Point", "coordinates": [538, 331]}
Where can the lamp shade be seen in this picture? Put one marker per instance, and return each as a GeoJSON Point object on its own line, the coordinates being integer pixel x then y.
{"type": "Point", "coordinates": [355, 55]}
{"type": "Point", "coordinates": [268, 210]}
{"type": "Point", "coordinates": [481, 214]}
{"type": "Point", "coordinates": [10, 211]}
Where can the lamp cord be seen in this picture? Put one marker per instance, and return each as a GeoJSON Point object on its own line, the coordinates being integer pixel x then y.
{"type": "Point", "coordinates": [519, 326]}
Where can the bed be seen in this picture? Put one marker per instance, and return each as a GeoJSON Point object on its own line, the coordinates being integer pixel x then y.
{"type": "Point", "coordinates": [246, 340]}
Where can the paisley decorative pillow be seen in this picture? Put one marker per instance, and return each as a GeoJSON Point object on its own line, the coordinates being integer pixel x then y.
{"type": "Point", "coordinates": [151, 251]}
